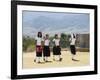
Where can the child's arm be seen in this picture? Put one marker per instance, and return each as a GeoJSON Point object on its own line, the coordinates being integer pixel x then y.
{"type": "Point", "coordinates": [69, 39]}
{"type": "Point", "coordinates": [42, 43]}
{"type": "Point", "coordinates": [35, 40]}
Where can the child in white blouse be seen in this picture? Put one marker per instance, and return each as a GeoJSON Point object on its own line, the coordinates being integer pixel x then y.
{"type": "Point", "coordinates": [72, 46]}
{"type": "Point", "coordinates": [56, 48]}
{"type": "Point", "coordinates": [46, 48]}
{"type": "Point", "coordinates": [39, 41]}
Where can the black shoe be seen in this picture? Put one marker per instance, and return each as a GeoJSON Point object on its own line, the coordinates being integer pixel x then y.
{"type": "Point", "coordinates": [60, 59]}
{"type": "Point", "coordinates": [74, 59]}
{"type": "Point", "coordinates": [34, 60]}
{"type": "Point", "coordinates": [39, 62]}
{"type": "Point", "coordinates": [44, 59]}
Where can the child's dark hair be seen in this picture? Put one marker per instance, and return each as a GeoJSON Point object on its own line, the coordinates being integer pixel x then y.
{"type": "Point", "coordinates": [47, 35]}
{"type": "Point", "coordinates": [39, 34]}
{"type": "Point", "coordinates": [56, 35]}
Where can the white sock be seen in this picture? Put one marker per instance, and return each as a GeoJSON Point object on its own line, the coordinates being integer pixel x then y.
{"type": "Point", "coordinates": [59, 56]}
{"type": "Point", "coordinates": [73, 56]}
{"type": "Point", "coordinates": [38, 59]}
{"type": "Point", "coordinates": [46, 58]}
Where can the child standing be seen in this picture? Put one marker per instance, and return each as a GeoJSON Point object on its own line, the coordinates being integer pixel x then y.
{"type": "Point", "coordinates": [46, 48]}
{"type": "Point", "coordinates": [38, 47]}
{"type": "Point", "coordinates": [56, 48]}
{"type": "Point", "coordinates": [72, 46]}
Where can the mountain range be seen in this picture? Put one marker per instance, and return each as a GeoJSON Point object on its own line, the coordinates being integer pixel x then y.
{"type": "Point", "coordinates": [52, 24]}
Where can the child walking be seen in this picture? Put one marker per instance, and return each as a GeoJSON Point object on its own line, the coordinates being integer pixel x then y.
{"type": "Point", "coordinates": [46, 48]}
{"type": "Point", "coordinates": [39, 41]}
{"type": "Point", "coordinates": [56, 48]}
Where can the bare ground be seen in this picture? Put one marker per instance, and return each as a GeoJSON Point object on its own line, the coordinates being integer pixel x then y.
{"type": "Point", "coordinates": [83, 57]}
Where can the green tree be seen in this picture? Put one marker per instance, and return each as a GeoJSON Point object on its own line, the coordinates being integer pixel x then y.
{"type": "Point", "coordinates": [28, 43]}
{"type": "Point", "coordinates": [64, 40]}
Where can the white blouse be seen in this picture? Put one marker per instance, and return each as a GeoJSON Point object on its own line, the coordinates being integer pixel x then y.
{"type": "Point", "coordinates": [73, 40]}
{"type": "Point", "coordinates": [38, 40]}
{"type": "Point", "coordinates": [56, 41]}
{"type": "Point", "coordinates": [46, 42]}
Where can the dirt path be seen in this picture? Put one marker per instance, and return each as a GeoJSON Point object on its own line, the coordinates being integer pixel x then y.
{"type": "Point", "coordinates": [28, 60]}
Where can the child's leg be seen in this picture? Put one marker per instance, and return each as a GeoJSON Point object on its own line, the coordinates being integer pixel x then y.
{"type": "Point", "coordinates": [54, 57]}
{"type": "Point", "coordinates": [46, 59]}
{"type": "Point", "coordinates": [39, 59]}
{"type": "Point", "coordinates": [60, 58]}
{"type": "Point", "coordinates": [35, 60]}
{"type": "Point", "coordinates": [73, 56]}
{"type": "Point", "coordinates": [73, 52]}
{"type": "Point", "coordinates": [59, 51]}
{"type": "Point", "coordinates": [35, 57]}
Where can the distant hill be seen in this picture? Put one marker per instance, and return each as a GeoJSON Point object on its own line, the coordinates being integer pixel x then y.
{"type": "Point", "coordinates": [53, 23]}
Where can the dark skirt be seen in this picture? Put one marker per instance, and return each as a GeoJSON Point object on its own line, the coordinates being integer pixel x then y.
{"type": "Point", "coordinates": [46, 51]}
{"type": "Point", "coordinates": [73, 49]}
{"type": "Point", "coordinates": [56, 50]}
{"type": "Point", "coordinates": [39, 51]}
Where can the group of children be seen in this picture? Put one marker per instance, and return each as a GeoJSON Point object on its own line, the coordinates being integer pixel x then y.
{"type": "Point", "coordinates": [43, 48]}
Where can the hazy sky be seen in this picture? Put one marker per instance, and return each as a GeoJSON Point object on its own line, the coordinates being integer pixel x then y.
{"type": "Point", "coordinates": [52, 23]}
